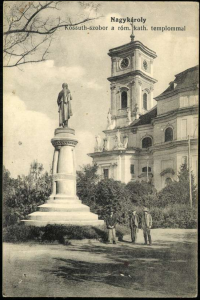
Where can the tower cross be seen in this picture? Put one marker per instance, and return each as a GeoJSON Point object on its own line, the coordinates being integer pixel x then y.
{"type": "Point", "coordinates": [132, 34]}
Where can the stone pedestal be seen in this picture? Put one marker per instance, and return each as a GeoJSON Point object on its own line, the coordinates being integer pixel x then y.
{"type": "Point", "coordinates": [63, 206]}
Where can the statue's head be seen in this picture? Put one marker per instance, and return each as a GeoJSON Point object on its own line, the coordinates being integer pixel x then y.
{"type": "Point", "coordinates": [64, 85]}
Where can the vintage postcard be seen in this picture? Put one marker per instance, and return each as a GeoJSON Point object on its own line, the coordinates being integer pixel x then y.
{"type": "Point", "coordinates": [100, 148]}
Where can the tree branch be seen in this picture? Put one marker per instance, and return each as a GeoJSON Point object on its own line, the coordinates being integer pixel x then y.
{"type": "Point", "coordinates": [25, 62]}
{"type": "Point", "coordinates": [51, 30]}
{"type": "Point", "coordinates": [23, 55]}
{"type": "Point", "coordinates": [37, 12]}
{"type": "Point", "coordinates": [20, 41]}
{"type": "Point", "coordinates": [27, 28]}
{"type": "Point", "coordinates": [22, 15]}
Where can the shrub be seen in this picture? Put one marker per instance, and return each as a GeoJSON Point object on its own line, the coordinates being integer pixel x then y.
{"type": "Point", "coordinates": [50, 233]}
{"type": "Point", "coordinates": [181, 216]}
{"type": "Point", "coordinates": [60, 233]}
{"type": "Point", "coordinates": [121, 231]}
{"type": "Point", "coordinates": [16, 233]}
{"type": "Point", "coordinates": [157, 217]}
{"type": "Point", "coordinates": [174, 216]}
{"type": "Point", "coordinates": [74, 232]}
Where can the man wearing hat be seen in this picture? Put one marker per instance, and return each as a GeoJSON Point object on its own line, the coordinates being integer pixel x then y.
{"type": "Point", "coordinates": [134, 226]}
{"type": "Point", "coordinates": [146, 225]}
{"type": "Point", "coordinates": [111, 224]}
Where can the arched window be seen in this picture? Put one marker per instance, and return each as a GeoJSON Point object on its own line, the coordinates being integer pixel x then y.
{"type": "Point", "coordinates": [145, 101]}
{"type": "Point", "coordinates": [168, 134]}
{"type": "Point", "coordinates": [124, 99]}
{"type": "Point", "coordinates": [145, 169]}
{"type": "Point", "coordinates": [146, 142]}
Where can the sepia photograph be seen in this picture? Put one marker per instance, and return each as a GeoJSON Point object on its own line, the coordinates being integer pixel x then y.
{"type": "Point", "coordinates": [100, 149]}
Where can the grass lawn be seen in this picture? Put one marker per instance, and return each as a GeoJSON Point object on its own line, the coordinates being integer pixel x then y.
{"type": "Point", "coordinates": [92, 269]}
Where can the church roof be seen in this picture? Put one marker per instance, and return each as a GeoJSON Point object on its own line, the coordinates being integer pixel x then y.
{"type": "Point", "coordinates": [184, 81]}
{"type": "Point", "coordinates": [146, 118]}
{"type": "Point", "coordinates": [131, 46]}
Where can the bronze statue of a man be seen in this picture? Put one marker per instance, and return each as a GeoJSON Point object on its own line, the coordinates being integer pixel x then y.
{"type": "Point", "coordinates": [64, 104]}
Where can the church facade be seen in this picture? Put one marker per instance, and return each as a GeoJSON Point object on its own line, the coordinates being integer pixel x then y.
{"type": "Point", "coordinates": [147, 138]}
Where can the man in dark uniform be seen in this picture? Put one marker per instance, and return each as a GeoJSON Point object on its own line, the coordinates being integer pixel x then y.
{"type": "Point", "coordinates": [111, 224]}
{"type": "Point", "coordinates": [134, 221]}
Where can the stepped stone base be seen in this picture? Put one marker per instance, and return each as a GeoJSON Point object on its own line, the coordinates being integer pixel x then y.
{"type": "Point", "coordinates": [62, 210]}
{"type": "Point", "coordinates": [63, 207]}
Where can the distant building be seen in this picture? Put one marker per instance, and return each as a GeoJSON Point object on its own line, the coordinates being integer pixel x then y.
{"type": "Point", "coordinates": [145, 141]}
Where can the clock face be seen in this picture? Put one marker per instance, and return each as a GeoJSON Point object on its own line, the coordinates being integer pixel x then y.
{"type": "Point", "coordinates": [145, 64]}
{"type": "Point", "coordinates": [124, 63]}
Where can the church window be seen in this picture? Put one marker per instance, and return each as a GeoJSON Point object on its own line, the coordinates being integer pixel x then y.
{"type": "Point", "coordinates": [146, 142]}
{"type": "Point", "coordinates": [168, 181]}
{"type": "Point", "coordinates": [105, 173]}
{"type": "Point", "coordinates": [132, 169]}
{"type": "Point", "coordinates": [124, 99]}
{"type": "Point", "coordinates": [168, 134]}
{"type": "Point", "coordinates": [145, 169]}
{"type": "Point", "coordinates": [145, 101]}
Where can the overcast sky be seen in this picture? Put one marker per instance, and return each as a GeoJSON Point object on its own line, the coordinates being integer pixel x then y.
{"type": "Point", "coordinates": [80, 59]}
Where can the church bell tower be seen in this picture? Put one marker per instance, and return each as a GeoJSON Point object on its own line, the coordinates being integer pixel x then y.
{"type": "Point", "coordinates": [131, 81]}
{"type": "Point", "coordinates": [131, 84]}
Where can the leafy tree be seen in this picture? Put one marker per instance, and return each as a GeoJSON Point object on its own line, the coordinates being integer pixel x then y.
{"type": "Point", "coordinates": [86, 181]}
{"type": "Point", "coordinates": [178, 192]}
{"type": "Point", "coordinates": [142, 193]}
{"type": "Point", "coordinates": [101, 195]}
{"type": "Point", "coordinates": [36, 169]}
{"type": "Point", "coordinates": [9, 186]}
{"type": "Point", "coordinates": [29, 27]}
{"type": "Point", "coordinates": [113, 194]}
{"type": "Point", "coordinates": [22, 195]}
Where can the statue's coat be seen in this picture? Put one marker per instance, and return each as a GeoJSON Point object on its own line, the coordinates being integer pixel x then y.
{"type": "Point", "coordinates": [65, 111]}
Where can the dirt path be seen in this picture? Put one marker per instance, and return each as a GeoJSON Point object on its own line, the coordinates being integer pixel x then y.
{"type": "Point", "coordinates": [93, 269]}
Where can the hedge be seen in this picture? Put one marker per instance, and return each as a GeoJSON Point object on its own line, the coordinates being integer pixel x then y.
{"type": "Point", "coordinates": [60, 233]}
{"type": "Point", "coordinates": [174, 216]}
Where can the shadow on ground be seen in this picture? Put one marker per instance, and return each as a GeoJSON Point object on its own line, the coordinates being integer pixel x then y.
{"type": "Point", "coordinates": [167, 267]}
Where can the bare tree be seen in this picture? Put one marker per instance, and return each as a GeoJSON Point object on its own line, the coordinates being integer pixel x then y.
{"type": "Point", "coordinates": [29, 27]}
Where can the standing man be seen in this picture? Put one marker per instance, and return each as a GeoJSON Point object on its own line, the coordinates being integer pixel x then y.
{"type": "Point", "coordinates": [134, 221]}
{"type": "Point", "coordinates": [146, 225]}
{"type": "Point", "coordinates": [64, 104]}
{"type": "Point", "coordinates": [111, 224]}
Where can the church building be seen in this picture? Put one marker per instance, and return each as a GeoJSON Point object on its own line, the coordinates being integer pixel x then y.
{"type": "Point", "coordinates": [147, 138]}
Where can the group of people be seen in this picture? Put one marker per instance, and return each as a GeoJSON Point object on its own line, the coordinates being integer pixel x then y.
{"type": "Point", "coordinates": [146, 224]}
